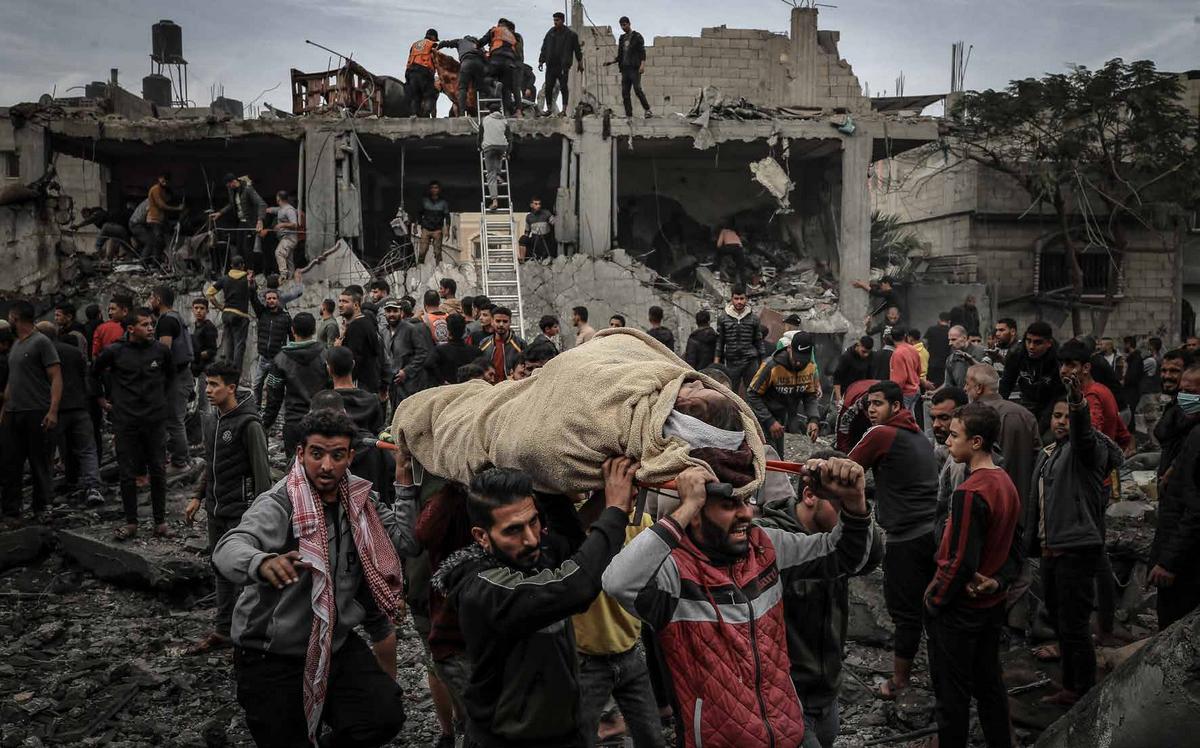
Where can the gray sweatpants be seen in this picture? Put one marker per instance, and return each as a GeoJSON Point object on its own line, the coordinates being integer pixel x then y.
{"type": "Point", "coordinates": [182, 389]}
{"type": "Point", "coordinates": [77, 441]}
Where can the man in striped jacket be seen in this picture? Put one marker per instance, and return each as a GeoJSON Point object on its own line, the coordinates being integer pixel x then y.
{"type": "Point", "coordinates": [708, 582]}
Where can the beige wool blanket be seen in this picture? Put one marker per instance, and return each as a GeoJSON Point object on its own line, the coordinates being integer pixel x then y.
{"type": "Point", "coordinates": [606, 398]}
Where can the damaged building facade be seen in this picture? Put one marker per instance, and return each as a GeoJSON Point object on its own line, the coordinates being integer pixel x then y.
{"type": "Point", "coordinates": [779, 146]}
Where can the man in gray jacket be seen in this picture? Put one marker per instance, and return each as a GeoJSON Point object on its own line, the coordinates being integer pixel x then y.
{"type": "Point", "coordinates": [1068, 485]}
{"type": "Point", "coordinates": [318, 555]}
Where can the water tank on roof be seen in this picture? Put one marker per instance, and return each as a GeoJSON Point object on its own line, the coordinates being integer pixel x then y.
{"type": "Point", "coordinates": [166, 42]}
{"type": "Point", "coordinates": [96, 90]}
{"type": "Point", "coordinates": [157, 89]}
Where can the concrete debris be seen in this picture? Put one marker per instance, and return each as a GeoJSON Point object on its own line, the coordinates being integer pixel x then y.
{"type": "Point", "coordinates": [771, 175]}
{"type": "Point", "coordinates": [1152, 699]}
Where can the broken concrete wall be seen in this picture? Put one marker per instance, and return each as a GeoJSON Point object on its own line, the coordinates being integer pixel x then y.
{"type": "Point", "coordinates": [33, 248]}
{"type": "Point", "coordinates": [1151, 700]}
{"type": "Point", "coordinates": [801, 68]}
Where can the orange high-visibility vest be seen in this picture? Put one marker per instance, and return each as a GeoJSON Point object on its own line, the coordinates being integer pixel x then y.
{"type": "Point", "coordinates": [421, 53]}
{"type": "Point", "coordinates": [501, 36]}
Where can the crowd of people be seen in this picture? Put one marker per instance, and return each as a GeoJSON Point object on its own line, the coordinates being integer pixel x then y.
{"type": "Point", "coordinates": [564, 620]}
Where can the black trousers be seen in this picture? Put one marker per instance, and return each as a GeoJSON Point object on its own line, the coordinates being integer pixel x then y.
{"type": "Point", "coordinates": [908, 566]}
{"type": "Point", "coordinates": [227, 591]}
{"type": "Point", "coordinates": [504, 71]}
{"type": "Point", "coordinates": [471, 74]}
{"type": "Point", "coordinates": [631, 78]}
{"type": "Point", "coordinates": [235, 328]}
{"type": "Point", "coordinates": [964, 662]}
{"type": "Point", "coordinates": [557, 81]}
{"type": "Point", "coordinates": [141, 449]}
{"type": "Point", "coordinates": [422, 95]}
{"type": "Point", "coordinates": [741, 372]}
{"type": "Point", "coordinates": [1178, 600]}
{"type": "Point", "coordinates": [363, 706]}
{"type": "Point", "coordinates": [22, 439]}
{"type": "Point", "coordinates": [1070, 596]}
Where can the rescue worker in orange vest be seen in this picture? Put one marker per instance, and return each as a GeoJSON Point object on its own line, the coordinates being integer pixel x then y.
{"type": "Point", "coordinates": [501, 45]}
{"type": "Point", "coordinates": [419, 82]}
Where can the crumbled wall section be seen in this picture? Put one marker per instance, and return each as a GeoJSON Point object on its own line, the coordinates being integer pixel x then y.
{"type": "Point", "coordinates": [30, 245]}
{"type": "Point", "coordinates": [765, 67]}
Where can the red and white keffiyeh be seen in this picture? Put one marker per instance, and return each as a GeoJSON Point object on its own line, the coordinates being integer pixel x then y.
{"type": "Point", "coordinates": [380, 566]}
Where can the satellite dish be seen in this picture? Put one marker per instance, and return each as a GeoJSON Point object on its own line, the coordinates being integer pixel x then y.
{"type": "Point", "coordinates": [45, 100]}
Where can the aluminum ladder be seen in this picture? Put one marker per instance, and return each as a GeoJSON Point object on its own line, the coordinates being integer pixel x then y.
{"type": "Point", "coordinates": [498, 237]}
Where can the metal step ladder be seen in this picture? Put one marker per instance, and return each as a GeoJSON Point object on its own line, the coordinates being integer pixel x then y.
{"type": "Point", "coordinates": [498, 237]}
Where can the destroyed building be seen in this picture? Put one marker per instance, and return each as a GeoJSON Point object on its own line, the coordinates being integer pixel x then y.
{"type": "Point", "coordinates": [780, 144]}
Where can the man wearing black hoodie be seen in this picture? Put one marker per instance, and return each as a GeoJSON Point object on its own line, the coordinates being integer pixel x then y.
{"type": "Point", "coordinates": [366, 411]}
{"type": "Point", "coordinates": [135, 376]}
{"type": "Point", "coordinates": [515, 589]}
{"type": "Point", "coordinates": [297, 373]}
{"type": "Point", "coordinates": [558, 47]}
{"type": "Point", "coordinates": [236, 471]}
{"type": "Point", "coordinates": [740, 345]}
{"type": "Point", "coordinates": [906, 486]}
{"type": "Point", "coordinates": [1031, 374]}
{"type": "Point", "coordinates": [702, 343]}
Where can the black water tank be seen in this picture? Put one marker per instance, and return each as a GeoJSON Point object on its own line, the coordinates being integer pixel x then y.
{"type": "Point", "coordinates": [157, 89]}
{"type": "Point", "coordinates": [166, 42]}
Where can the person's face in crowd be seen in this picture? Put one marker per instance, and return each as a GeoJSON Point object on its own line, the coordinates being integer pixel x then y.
{"type": "Point", "coordinates": [154, 303]}
{"type": "Point", "coordinates": [625, 26]}
{"type": "Point", "coordinates": [489, 375]}
{"type": "Point", "coordinates": [394, 315]}
{"type": "Point", "coordinates": [515, 535]}
{"type": "Point", "coordinates": [62, 319]}
{"type": "Point", "coordinates": [558, 22]}
{"type": "Point", "coordinates": [958, 339]}
{"type": "Point", "coordinates": [325, 460]}
{"type": "Point", "coordinates": [199, 312]}
{"type": "Point", "coordinates": [892, 314]}
{"type": "Point", "coordinates": [1067, 369]}
{"type": "Point", "coordinates": [861, 351]}
{"type": "Point", "coordinates": [960, 445]}
{"type": "Point", "coordinates": [219, 394]}
{"type": "Point", "coordinates": [272, 300]}
{"type": "Point", "coordinates": [575, 321]}
{"type": "Point", "coordinates": [1005, 335]}
{"type": "Point", "coordinates": [941, 415]}
{"type": "Point", "coordinates": [1190, 383]}
{"type": "Point", "coordinates": [435, 191]}
{"type": "Point", "coordinates": [552, 330]}
{"type": "Point", "coordinates": [535, 205]}
{"type": "Point", "coordinates": [501, 324]}
{"type": "Point", "coordinates": [815, 514]}
{"type": "Point", "coordinates": [116, 312]}
{"type": "Point", "coordinates": [614, 322]}
{"type": "Point", "coordinates": [879, 410]}
{"type": "Point", "coordinates": [974, 339]}
{"type": "Point", "coordinates": [1192, 345]}
{"type": "Point", "coordinates": [378, 295]}
{"type": "Point", "coordinates": [1036, 345]}
{"type": "Point", "coordinates": [973, 388]}
{"type": "Point", "coordinates": [739, 302]}
{"type": "Point", "coordinates": [234, 185]}
{"type": "Point", "coordinates": [725, 525]}
{"type": "Point", "coordinates": [162, 181]}
{"type": "Point", "coordinates": [969, 303]}
{"type": "Point", "coordinates": [1107, 347]}
{"type": "Point", "coordinates": [346, 307]}
{"type": "Point", "coordinates": [485, 319]}
{"type": "Point", "coordinates": [1060, 421]}
{"type": "Point", "coordinates": [142, 329]}
{"type": "Point", "coordinates": [443, 292]}
{"type": "Point", "coordinates": [532, 366]}
{"type": "Point", "coordinates": [1171, 372]}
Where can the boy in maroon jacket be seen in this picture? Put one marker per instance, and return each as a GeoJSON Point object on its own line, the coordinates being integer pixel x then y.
{"type": "Point", "coordinates": [979, 556]}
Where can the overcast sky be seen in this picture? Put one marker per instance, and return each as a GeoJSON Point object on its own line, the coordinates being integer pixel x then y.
{"type": "Point", "coordinates": [249, 46]}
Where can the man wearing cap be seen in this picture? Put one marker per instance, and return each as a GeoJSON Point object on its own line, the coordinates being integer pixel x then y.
{"type": "Point", "coordinates": [422, 91]}
{"type": "Point", "coordinates": [249, 208]}
{"type": "Point", "coordinates": [785, 384]}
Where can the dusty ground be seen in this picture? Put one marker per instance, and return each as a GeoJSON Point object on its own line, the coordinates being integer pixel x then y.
{"type": "Point", "coordinates": [87, 662]}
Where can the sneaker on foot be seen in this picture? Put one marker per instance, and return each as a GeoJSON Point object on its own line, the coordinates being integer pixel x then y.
{"type": "Point", "coordinates": [649, 114]}
{"type": "Point", "coordinates": [93, 497]}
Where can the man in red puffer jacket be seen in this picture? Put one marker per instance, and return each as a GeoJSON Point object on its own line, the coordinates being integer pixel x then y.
{"type": "Point", "coordinates": [707, 581]}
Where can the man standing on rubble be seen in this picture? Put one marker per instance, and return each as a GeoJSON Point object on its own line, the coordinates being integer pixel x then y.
{"type": "Point", "coordinates": [273, 331]}
{"type": "Point", "coordinates": [504, 346]}
{"type": "Point", "coordinates": [296, 373]}
{"type": "Point", "coordinates": [740, 344]}
{"type": "Point", "coordinates": [1031, 374]}
{"type": "Point", "coordinates": [249, 208]}
{"type": "Point", "coordinates": [433, 219]}
{"type": "Point", "coordinates": [136, 377]}
{"type": "Point", "coordinates": [156, 216]}
{"type": "Point", "coordinates": [963, 355]}
{"type": "Point", "coordinates": [701, 346]}
{"type": "Point", "coordinates": [656, 329]}
{"type": "Point", "coordinates": [472, 71]}
{"type": "Point", "coordinates": [853, 366]}
{"type": "Point", "coordinates": [538, 240]}
{"type": "Point", "coordinates": [74, 434]}
{"type": "Point", "coordinates": [236, 471]}
{"type": "Point", "coordinates": [1173, 426]}
{"type": "Point", "coordinates": [783, 388]}
{"type": "Point", "coordinates": [235, 313]}
{"type": "Point", "coordinates": [937, 340]}
{"type": "Point", "coordinates": [170, 330]}
{"type": "Point", "coordinates": [906, 484]}
{"type": "Point", "coordinates": [362, 339]}
{"type": "Point", "coordinates": [1176, 551]}
{"type": "Point", "coordinates": [631, 61]}
{"type": "Point", "coordinates": [419, 75]}
{"type": "Point", "coordinates": [411, 345]}
{"type": "Point", "coordinates": [708, 582]}
{"type": "Point", "coordinates": [501, 45]}
{"type": "Point", "coordinates": [318, 556]}
{"type": "Point", "coordinates": [579, 320]}
{"type": "Point", "coordinates": [558, 47]}
{"type": "Point", "coordinates": [287, 227]}
{"type": "Point", "coordinates": [29, 412]}
{"type": "Point", "coordinates": [113, 329]}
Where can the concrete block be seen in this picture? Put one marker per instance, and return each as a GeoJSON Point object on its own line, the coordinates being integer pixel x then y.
{"type": "Point", "coordinates": [23, 545]}
{"type": "Point", "coordinates": [141, 563]}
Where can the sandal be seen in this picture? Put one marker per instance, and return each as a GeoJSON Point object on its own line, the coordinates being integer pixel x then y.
{"type": "Point", "coordinates": [163, 531]}
{"type": "Point", "coordinates": [889, 691]}
{"type": "Point", "coordinates": [1048, 653]}
{"type": "Point", "coordinates": [209, 643]}
{"type": "Point", "coordinates": [125, 532]}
